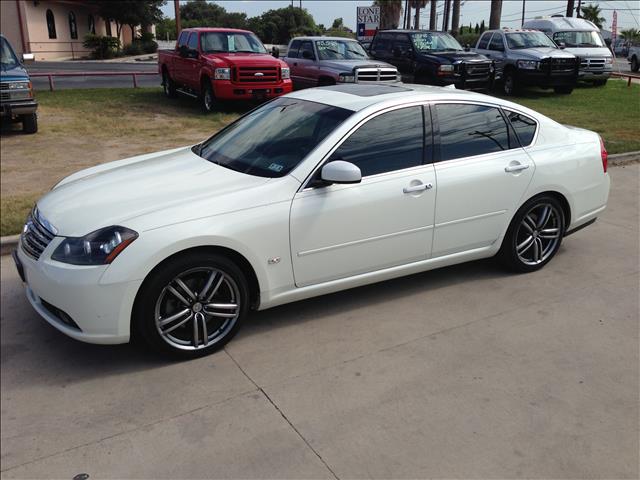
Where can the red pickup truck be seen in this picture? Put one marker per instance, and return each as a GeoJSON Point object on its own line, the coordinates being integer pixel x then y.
{"type": "Point", "coordinates": [215, 64]}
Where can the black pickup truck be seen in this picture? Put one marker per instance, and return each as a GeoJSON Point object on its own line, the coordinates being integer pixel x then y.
{"type": "Point", "coordinates": [434, 58]}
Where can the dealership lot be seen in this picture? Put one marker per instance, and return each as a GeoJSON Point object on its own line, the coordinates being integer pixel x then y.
{"type": "Point", "coordinates": [462, 372]}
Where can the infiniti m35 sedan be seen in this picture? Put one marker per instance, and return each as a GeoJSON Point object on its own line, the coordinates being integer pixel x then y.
{"type": "Point", "coordinates": [317, 191]}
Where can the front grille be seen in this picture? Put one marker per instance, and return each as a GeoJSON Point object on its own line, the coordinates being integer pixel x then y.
{"type": "Point", "coordinates": [35, 237]}
{"type": "Point", "coordinates": [376, 75]}
{"type": "Point", "coordinates": [256, 74]}
{"type": "Point", "coordinates": [477, 71]}
{"type": "Point", "coordinates": [5, 96]}
{"type": "Point", "coordinates": [593, 64]}
{"type": "Point", "coordinates": [4, 86]}
{"type": "Point", "coordinates": [558, 65]}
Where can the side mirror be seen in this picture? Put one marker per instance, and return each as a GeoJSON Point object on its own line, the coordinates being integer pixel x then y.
{"type": "Point", "coordinates": [192, 53]}
{"type": "Point", "coordinates": [307, 55]}
{"type": "Point", "coordinates": [183, 51]}
{"type": "Point", "coordinates": [339, 171]}
{"type": "Point", "coordinates": [562, 45]}
{"type": "Point", "coordinates": [28, 57]}
{"type": "Point", "coordinates": [275, 51]}
{"type": "Point", "coordinates": [467, 47]}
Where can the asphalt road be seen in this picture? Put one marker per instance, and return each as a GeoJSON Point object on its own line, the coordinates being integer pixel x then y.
{"type": "Point", "coordinates": [461, 372]}
{"type": "Point", "coordinates": [42, 83]}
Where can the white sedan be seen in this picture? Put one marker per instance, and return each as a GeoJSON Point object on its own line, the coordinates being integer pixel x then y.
{"type": "Point", "coordinates": [314, 192]}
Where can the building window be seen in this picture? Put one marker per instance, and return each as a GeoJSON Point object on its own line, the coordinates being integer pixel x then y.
{"type": "Point", "coordinates": [73, 28]}
{"type": "Point", "coordinates": [92, 25]}
{"type": "Point", "coordinates": [51, 24]}
{"type": "Point", "coordinates": [107, 23]}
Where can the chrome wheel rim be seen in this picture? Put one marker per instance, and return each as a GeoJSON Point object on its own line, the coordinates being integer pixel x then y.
{"type": "Point", "coordinates": [538, 234]}
{"type": "Point", "coordinates": [197, 309]}
{"type": "Point", "coordinates": [208, 99]}
{"type": "Point", "coordinates": [165, 83]}
{"type": "Point", "coordinates": [508, 84]}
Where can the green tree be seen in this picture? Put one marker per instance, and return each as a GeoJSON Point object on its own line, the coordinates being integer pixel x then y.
{"type": "Point", "coordinates": [280, 25]}
{"type": "Point", "coordinates": [389, 13]}
{"type": "Point", "coordinates": [592, 13]}
{"type": "Point", "coordinates": [631, 35]}
{"type": "Point", "coordinates": [337, 23]}
{"type": "Point", "coordinates": [166, 28]}
{"type": "Point", "coordinates": [129, 12]}
{"type": "Point", "coordinates": [199, 13]}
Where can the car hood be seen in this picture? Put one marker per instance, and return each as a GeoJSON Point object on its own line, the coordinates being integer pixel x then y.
{"type": "Point", "coordinates": [589, 52]}
{"type": "Point", "coordinates": [541, 52]}
{"type": "Point", "coordinates": [117, 192]}
{"type": "Point", "coordinates": [349, 65]}
{"type": "Point", "coordinates": [244, 59]}
{"type": "Point", "coordinates": [14, 74]}
{"type": "Point", "coordinates": [455, 56]}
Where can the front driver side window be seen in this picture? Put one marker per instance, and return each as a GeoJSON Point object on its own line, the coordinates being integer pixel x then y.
{"type": "Point", "coordinates": [391, 141]}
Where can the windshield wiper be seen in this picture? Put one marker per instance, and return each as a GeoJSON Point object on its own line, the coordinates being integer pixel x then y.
{"type": "Point", "coordinates": [356, 52]}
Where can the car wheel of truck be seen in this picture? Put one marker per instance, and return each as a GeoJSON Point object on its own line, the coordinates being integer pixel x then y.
{"type": "Point", "coordinates": [167, 85]}
{"type": "Point", "coordinates": [207, 97]}
{"type": "Point", "coordinates": [509, 83]}
{"type": "Point", "coordinates": [600, 83]}
{"type": "Point", "coordinates": [534, 235]}
{"type": "Point", "coordinates": [635, 65]}
{"type": "Point", "coordinates": [564, 90]}
{"type": "Point", "coordinates": [191, 306]}
{"type": "Point", "coordinates": [29, 123]}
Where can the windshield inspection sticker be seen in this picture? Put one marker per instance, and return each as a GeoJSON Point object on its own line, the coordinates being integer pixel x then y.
{"type": "Point", "coordinates": [275, 167]}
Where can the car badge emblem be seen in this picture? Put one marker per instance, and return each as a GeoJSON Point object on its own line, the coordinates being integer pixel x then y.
{"type": "Point", "coordinates": [258, 74]}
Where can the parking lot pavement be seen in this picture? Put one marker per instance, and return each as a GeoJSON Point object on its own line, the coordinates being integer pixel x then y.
{"type": "Point", "coordinates": [461, 372]}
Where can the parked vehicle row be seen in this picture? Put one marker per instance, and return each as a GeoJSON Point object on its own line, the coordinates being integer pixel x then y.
{"type": "Point", "coordinates": [17, 102]}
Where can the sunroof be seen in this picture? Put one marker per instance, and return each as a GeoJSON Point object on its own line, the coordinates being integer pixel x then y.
{"type": "Point", "coordinates": [366, 90]}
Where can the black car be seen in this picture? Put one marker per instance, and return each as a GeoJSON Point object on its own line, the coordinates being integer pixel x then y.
{"type": "Point", "coordinates": [434, 58]}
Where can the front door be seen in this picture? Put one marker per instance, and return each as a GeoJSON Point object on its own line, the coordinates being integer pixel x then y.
{"type": "Point", "coordinates": [482, 175]}
{"type": "Point", "coordinates": [338, 231]}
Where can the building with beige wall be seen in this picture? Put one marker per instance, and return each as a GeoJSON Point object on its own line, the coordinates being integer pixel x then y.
{"type": "Point", "coordinates": [54, 29]}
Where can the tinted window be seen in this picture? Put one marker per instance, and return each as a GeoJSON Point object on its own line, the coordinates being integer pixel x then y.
{"type": "Point", "coordinates": [306, 47]}
{"type": "Point", "coordinates": [293, 49]}
{"type": "Point", "coordinates": [382, 42]}
{"type": "Point", "coordinates": [193, 41]}
{"type": "Point", "coordinates": [273, 139]}
{"type": "Point", "coordinates": [183, 38]}
{"type": "Point", "coordinates": [73, 27]}
{"type": "Point", "coordinates": [518, 40]}
{"type": "Point", "coordinates": [524, 126]}
{"type": "Point", "coordinates": [497, 43]}
{"type": "Point", "coordinates": [484, 41]}
{"type": "Point", "coordinates": [51, 24]}
{"type": "Point", "coordinates": [467, 130]}
{"type": "Point", "coordinates": [390, 141]}
{"type": "Point", "coordinates": [402, 43]}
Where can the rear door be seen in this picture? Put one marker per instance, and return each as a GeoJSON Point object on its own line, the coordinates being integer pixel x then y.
{"type": "Point", "coordinates": [403, 53]}
{"type": "Point", "coordinates": [292, 61]}
{"type": "Point", "coordinates": [381, 47]}
{"type": "Point", "coordinates": [307, 65]}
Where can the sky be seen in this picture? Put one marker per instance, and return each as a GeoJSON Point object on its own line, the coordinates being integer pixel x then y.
{"type": "Point", "coordinates": [325, 11]}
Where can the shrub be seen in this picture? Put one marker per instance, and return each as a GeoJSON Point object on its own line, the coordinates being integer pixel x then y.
{"type": "Point", "coordinates": [134, 48]}
{"type": "Point", "coordinates": [101, 47]}
{"type": "Point", "coordinates": [468, 38]}
{"type": "Point", "coordinates": [149, 46]}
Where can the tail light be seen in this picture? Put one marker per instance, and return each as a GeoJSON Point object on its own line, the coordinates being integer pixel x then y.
{"type": "Point", "coordinates": [604, 155]}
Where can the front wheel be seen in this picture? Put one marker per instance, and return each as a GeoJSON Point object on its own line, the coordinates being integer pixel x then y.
{"type": "Point", "coordinates": [600, 83]}
{"type": "Point", "coordinates": [509, 85]}
{"type": "Point", "coordinates": [534, 235]}
{"type": "Point", "coordinates": [192, 306]}
{"type": "Point", "coordinates": [29, 123]}
{"type": "Point", "coordinates": [635, 65]}
{"type": "Point", "coordinates": [207, 98]}
{"type": "Point", "coordinates": [564, 90]}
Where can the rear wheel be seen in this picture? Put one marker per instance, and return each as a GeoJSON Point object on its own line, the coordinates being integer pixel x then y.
{"type": "Point", "coordinates": [29, 123]}
{"type": "Point", "coordinates": [192, 306]}
{"type": "Point", "coordinates": [564, 89]}
{"type": "Point", "coordinates": [534, 235]}
{"type": "Point", "coordinates": [168, 86]}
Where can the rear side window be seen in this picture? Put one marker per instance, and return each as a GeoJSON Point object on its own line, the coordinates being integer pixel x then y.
{"type": "Point", "coordinates": [293, 49]}
{"type": "Point", "coordinates": [468, 130]}
{"type": "Point", "coordinates": [391, 141]}
{"type": "Point", "coordinates": [402, 43]}
{"type": "Point", "coordinates": [182, 39]}
{"type": "Point", "coordinates": [497, 43]}
{"type": "Point", "coordinates": [382, 42]}
{"type": "Point", "coordinates": [193, 41]}
{"type": "Point", "coordinates": [307, 46]}
{"type": "Point", "coordinates": [524, 126]}
{"type": "Point", "coordinates": [484, 40]}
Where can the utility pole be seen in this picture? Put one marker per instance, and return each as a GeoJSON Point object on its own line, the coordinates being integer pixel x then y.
{"type": "Point", "coordinates": [433, 17]}
{"type": "Point", "coordinates": [455, 18]}
{"type": "Point", "coordinates": [578, 12]}
{"type": "Point", "coordinates": [407, 14]}
{"type": "Point", "coordinates": [523, 6]}
{"type": "Point", "coordinates": [176, 5]}
{"type": "Point", "coordinates": [445, 14]}
{"type": "Point", "coordinates": [570, 7]}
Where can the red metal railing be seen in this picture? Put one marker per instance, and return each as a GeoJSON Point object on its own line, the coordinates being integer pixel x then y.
{"type": "Point", "coordinates": [628, 76]}
{"type": "Point", "coordinates": [50, 76]}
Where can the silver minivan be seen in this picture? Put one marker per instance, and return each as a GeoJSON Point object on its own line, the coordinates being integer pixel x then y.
{"type": "Point", "coordinates": [581, 38]}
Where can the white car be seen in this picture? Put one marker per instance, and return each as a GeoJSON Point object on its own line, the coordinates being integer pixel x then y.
{"type": "Point", "coordinates": [317, 191]}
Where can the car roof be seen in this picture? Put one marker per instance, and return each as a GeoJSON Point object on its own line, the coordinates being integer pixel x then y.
{"type": "Point", "coordinates": [358, 96]}
{"type": "Point", "coordinates": [404, 30]}
{"type": "Point", "coordinates": [215, 29]}
{"type": "Point", "coordinates": [564, 22]}
{"type": "Point", "coordinates": [320, 37]}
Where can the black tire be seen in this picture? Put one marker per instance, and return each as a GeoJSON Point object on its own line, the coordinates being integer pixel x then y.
{"type": "Point", "coordinates": [326, 82]}
{"type": "Point", "coordinates": [207, 97]}
{"type": "Point", "coordinates": [29, 123]}
{"type": "Point", "coordinates": [509, 83]}
{"type": "Point", "coordinates": [200, 272]}
{"type": "Point", "coordinates": [168, 86]}
{"type": "Point", "coordinates": [600, 83]}
{"type": "Point", "coordinates": [635, 65]}
{"type": "Point", "coordinates": [514, 250]}
{"type": "Point", "coordinates": [563, 90]}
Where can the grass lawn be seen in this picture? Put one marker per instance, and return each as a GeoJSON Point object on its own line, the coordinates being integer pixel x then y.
{"type": "Point", "coordinates": [81, 128]}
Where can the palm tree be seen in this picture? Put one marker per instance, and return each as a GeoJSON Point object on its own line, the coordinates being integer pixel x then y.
{"type": "Point", "coordinates": [496, 13]}
{"type": "Point", "coordinates": [389, 13]}
{"type": "Point", "coordinates": [418, 4]}
{"type": "Point", "coordinates": [592, 13]}
{"type": "Point", "coordinates": [432, 16]}
{"type": "Point", "coordinates": [632, 35]}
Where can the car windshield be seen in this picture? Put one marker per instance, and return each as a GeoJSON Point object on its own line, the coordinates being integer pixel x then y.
{"type": "Point", "coordinates": [9, 59]}
{"type": "Point", "coordinates": [340, 50]}
{"type": "Point", "coordinates": [273, 139]}
{"type": "Point", "coordinates": [584, 39]}
{"type": "Point", "coordinates": [518, 40]}
{"type": "Point", "coordinates": [230, 42]}
{"type": "Point", "coordinates": [434, 41]}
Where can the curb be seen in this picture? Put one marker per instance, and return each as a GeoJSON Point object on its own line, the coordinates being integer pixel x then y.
{"type": "Point", "coordinates": [10, 242]}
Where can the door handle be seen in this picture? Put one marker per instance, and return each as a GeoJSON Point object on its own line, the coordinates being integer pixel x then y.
{"type": "Point", "coordinates": [417, 188]}
{"type": "Point", "coordinates": [515, 168]}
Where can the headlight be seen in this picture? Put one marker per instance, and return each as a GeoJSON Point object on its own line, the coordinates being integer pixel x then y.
{"type": "Point", "coordinates": [20, 90]}
{"type": "Point", "coordinates": [19, 85]}
{"type": "Point", "coordinates": [223, 74]}
{"type": "Point", "coordinates": [285, 72]}
{"type": "Point", "coordinates": [528, 64]}
{"type": "Point", "coordinates": [446, 70]}
{"type": "Point", "coordinates": [608, 60]}
{"type": "Point", "coordinates": [96, 248]}
{"type": "Point", "coordinates": [346, 78]}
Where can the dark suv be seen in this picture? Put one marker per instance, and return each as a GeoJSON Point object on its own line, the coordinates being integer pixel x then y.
{"type": "Point", "coordinates": [434, 58]}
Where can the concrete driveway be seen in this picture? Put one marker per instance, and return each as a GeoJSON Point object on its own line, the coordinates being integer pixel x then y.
{"type": "Point", "coordinates": [462, 372]}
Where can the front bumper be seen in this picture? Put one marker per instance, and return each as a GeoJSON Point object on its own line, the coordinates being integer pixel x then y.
{"type": "Point", "coordinates": [227, 90]}
{"type": "Point", "coordinates": [11, 108]}
{"type": "Point", "coordinates": [536, 78]}
{"type": "Point", "coordinates": [594, 74]}
{"type": "Point", "coordinates": [99, 313]}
